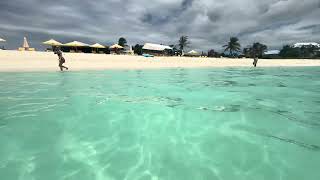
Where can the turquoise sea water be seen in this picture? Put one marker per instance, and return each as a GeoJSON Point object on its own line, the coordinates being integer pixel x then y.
{"type": "Point", "coordinates": [173, 124]}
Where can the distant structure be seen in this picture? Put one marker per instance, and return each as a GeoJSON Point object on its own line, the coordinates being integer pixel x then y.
{"type": "Point", "coordinates": [25, 43]}
{"type": "Point", "coordinates": [299, 45]}
{"type": "Point", "coordinates": [156, 49]}
{"type": "Point", "coordinates": [25, 46]}
{"type": "Point", "coordinates": [271, 54]}
{"type": "Point", "coordinates": [192, 53]}
{"type": "Point", "coordinates": [128, 50]}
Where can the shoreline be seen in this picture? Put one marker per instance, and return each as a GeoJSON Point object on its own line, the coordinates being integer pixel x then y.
{"type": "Point", "coordinates": [17, 61]}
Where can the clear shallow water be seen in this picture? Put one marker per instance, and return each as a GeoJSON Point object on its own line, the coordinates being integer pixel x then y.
{"type": "Point", "coordinates": [175, 124]}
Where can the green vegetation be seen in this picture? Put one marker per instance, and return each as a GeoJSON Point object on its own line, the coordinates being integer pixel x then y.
{"type": "Point", "coordinates": [122, 42]}
{"type": "Point", "coordinates": [256, 50]}
{"type": "Point", "coordinates": [183, 42]}
{"type": "Point", "coordinates": [303, 52]}
{"type": "Point", "coordinates": [137, 49]}
{"type": "Point", "coordinates": [233, 46]}
{"type": "Point", "coordinates": [233, 49]}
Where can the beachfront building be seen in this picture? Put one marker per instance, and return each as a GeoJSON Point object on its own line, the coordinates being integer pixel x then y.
{"type": "Point", "coordinates": [299, 45]}
{"type": "Point", "coordinates": [271, 54]}
{"type": "Point", "coordinates": [128, 50]}
{"type": "Point", "coordinates": [156, 49]}
{"type": "Point", "coordinates": [116, 49]}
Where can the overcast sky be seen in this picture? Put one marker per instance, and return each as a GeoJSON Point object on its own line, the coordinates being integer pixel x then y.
{"type": "Point", "coordinates": [208, 23]}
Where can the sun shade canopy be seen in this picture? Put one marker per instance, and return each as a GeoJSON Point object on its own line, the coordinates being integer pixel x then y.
{"type": "Point", "coordinates": [97, 45]}
{"type": "Point", "coordinates": [76, 44]}
{"type": "Point", "coordinates": [52, 42]}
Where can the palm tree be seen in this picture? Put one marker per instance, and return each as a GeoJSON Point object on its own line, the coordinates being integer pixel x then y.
{"type": "Point", "coordinates": [308, 51]}
{"type": "Point", "coordinates": [122, 42]}
{"type": "Point", "coordinates": [233, 46]}
{"type": "Point", "coordinates": [247, 52]}
{"type": "Point", "coordinates": [258, 49]}
{"type": "Point", "coordinates": [183, 42]}
{"type": "Point", "coordinates": [137, 49]}
{"type": "Point", "coordinates": [212, 53]}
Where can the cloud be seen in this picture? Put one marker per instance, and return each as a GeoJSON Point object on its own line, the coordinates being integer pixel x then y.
{"type": "Point", "coordinates": [208, 23]}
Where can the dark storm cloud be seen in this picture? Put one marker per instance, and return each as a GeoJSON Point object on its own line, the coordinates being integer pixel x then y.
{"type": "Point", "coordinates": [208, 23]}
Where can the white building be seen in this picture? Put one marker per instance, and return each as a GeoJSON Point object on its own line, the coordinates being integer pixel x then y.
{"type": "Point", "coordinates": [155, 47]}
{"type": "Point", "coordinates": [272, 52]}
{"type": "Point", "coordinates": [299, 45]}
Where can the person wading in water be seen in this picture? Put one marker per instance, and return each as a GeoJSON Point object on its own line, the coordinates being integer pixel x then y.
{"type": "Point", "coordinates": [58, 52]}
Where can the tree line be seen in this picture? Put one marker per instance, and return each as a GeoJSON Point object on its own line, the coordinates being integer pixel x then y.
{"type": "Point", "coordinates": [232, 49]}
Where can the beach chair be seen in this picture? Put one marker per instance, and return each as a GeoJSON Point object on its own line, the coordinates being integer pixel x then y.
{"type": "Point", "coordinates": [31, 49]}
{"type": "Point", "coordinates": [21, 49]}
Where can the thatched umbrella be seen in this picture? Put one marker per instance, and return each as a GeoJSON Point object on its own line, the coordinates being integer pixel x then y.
{"type": "Point", "coordinates": [97, 46]}
{"type": "Point", "coordinates": [76, 44]}
{"type": "Point", "coordinates": [52, 43]}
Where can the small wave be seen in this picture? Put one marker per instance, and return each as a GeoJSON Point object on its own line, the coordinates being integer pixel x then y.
{"type": "Point", "coordinates": [295, 142]}
{"type": "Point", "coordinates": [282, 113]}
{"type": "Point", "coordinates": [229, 108]}
{"type": "Point", "coordinates": [312, 147]}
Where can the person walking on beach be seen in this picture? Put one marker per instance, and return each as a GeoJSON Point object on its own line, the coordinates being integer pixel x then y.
{"type": "Point", "coordinates": [61, 58]}
{"type": "Point", "coordinates": [255, 61]}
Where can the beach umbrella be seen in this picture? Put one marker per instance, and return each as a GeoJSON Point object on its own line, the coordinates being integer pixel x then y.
{"type": "Point", "coordinates": [52, 42]}
{"type": "Point", "coordinates": [76, 44]}
{"type": "Point", "coordinates": [97, 46]}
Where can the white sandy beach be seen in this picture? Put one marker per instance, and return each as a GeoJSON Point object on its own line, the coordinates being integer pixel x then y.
{"type": "Point", "coordinates": [15, 61]}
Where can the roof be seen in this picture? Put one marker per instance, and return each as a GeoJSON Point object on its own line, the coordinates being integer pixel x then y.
{"type": "Point", "coordinates": [306, 44]}
{"type": "Point", "coordinates": [193, 52]}
{"type": "Point", "coordinates": [272, 52]}
{"type": "Point", "coordinates": [155, 47]}
{"type": "Point", "coordinates": [52, 42]}
{"type": "Point", "coordinates": [97, 45]}
{"type": "Point", "coordinates": [76, 44]}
